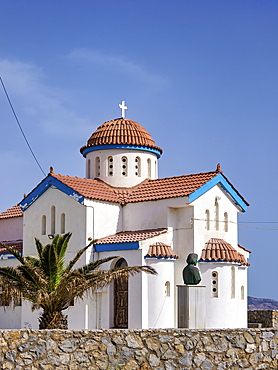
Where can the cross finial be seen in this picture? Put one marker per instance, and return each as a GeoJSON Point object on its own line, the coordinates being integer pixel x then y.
{"type": "Point", "coordinates": [123, 108]}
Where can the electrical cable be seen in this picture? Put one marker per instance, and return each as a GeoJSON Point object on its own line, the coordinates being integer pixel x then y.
{"type": "Point", "coordinates": [236, 223]}
{"type": "Point", "coordinates": [21, 127]}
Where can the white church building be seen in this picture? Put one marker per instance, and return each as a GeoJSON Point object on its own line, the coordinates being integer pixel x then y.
{"type": "Point", "coordinates": [142, 219]}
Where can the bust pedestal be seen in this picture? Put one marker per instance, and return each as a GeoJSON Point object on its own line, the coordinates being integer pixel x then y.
{"type": "Point", "coordinates": [192, 306]}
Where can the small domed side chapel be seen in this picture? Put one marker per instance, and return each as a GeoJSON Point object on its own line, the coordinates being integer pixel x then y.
{"type": "Point", "coordinates": [144, 220]}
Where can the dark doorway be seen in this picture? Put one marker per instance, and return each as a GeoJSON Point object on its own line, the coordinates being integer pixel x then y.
{"type": "Point", "coordinates": [121, 298]}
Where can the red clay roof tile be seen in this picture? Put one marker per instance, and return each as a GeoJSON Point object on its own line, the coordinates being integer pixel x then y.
{"type": "Point", "coordinates": [147, 190]}
{"type": "Point", "coordinates": [121, 131]}
{"type": "Point", "coordinates": [219, 250]}
{"type": "Point", "coordinates": [89, 188]}
{"type": "Point", "coordinates": [15, 211]}
{"type": "Point", "coordinates": [15, 244]}
{"type": "Point", "coordinates": [131, 236]}
{"type": "Point", "coordinates": [160, 249]}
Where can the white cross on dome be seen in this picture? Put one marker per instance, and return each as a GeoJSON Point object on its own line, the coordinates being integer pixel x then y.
{"type": "Point", "coordinates": [123, 108]}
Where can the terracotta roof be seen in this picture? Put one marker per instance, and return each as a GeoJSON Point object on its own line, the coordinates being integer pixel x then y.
{"type": "Point", "coordinates": [220, 250]}
{"type": "Point", "coordinates": [169, 187]}
{"type": "Point", "coordinates": [131, 236]}
{"type": "Point", "coordinates": [147, 190]}
{"type": "Point", "coordinates": [121, 131]}
{"type": "Point", "coordinates": [160, 249]}
{"type": "Point", "coordinates": [246, 250]}
{"type": "Point", "coordinates": [89, 188]}
{"type": "Point", "coordinates": [15, 211]}
{"type": "Point", "coordinates": [15, 244]}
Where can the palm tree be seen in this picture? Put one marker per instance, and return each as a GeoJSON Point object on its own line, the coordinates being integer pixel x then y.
{"type": "Point", "coordinates": [48, 283]}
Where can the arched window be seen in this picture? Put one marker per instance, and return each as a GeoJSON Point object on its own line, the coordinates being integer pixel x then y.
{"type": "Point", "coordinates": [97, 167]}
{"type": "Point", "coordinates": [53, 220]}
{"type": "Point", "coordinates": [233, 282]}
{"type": "Point", "coordinates": [216, 214]}
{"type": "Point", "coordinates": [167, 288]}
{"type": "Point", "coordinates": [124, 166]}
{"type": "Point", "coordinates": [121, 298]}
{"type": "Point", "coordinates": [226, 222]}
{"type": "Point", "coordinates": [138, 166]}
{"type": "Point", "coordinates": [214, 284]}
{"type": "Point", "coordinates": [207, 219]}
{"type": "Point", "coordinates": [110, 166]}
{"type": "Point", "coordinates": [63, 223]}
{"type": "Point", "coordinates": [89, 169]}
{"type": "Point", "coordinates": [242, 292]}
{"type": "Point", "coordinates": [43, 225]}
{"type": "Point", "coordinates": [149, 168]}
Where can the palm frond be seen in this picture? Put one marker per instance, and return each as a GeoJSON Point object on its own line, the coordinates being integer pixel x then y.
{"type": "Point", "coordinates": [49, 264]}
{"type": "Point", "coordinates": [77, 257]}
{"type": "Point", "coordinates": [39, 247]}
{"type": "Point", "coordinates": [94, 265]}
{"type": "Point", "coordinates": [33, 260]}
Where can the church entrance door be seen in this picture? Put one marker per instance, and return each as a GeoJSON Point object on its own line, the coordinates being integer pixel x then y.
{"type": "Point", "coordinates": [121, 298]}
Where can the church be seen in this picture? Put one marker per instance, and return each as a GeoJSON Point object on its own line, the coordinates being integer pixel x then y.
{"type": "Point", "coordinates": [142, 219]}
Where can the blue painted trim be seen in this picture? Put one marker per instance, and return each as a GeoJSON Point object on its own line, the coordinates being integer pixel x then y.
{"type": "Point", "coordinates": [219, 179]}
{"type": "Point", "coordinates": [208, 261]}
{"type": "Point", "coordinates": [162, 258]}
{"type": "Point", "coordinates": [116, 247]}
{"type": "Point", "coordinates": [120, 146]}
{"type": "Point", "coordinates": [8, 256]}
{"type": "Point", "coordinates": [43, 186]}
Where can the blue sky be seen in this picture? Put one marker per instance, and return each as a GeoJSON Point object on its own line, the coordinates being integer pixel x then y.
{"type": "Point", "coordinates": [200, 76]}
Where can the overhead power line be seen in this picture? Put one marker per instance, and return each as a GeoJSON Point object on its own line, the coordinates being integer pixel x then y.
{"type": "Point", "coordinates": [21, 129]}
{"type": "Point", "coordinates": [237, 223]}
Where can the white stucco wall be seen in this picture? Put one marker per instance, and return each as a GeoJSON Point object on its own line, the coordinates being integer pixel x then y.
{"type": "Point", "coordinates": [118, 179]}
{"type": "Point", "coordinates": [207, 201]}
{"type": "Point", "coordinates": [11, 228]}
{"type": "Point", "coordinates": [161, 312]}
{"type": "Point", "coordinates": [148, 215]}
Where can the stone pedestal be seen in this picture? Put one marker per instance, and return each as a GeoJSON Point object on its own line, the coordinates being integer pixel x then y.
{"type": "Point", "coordinates": [192, 306]}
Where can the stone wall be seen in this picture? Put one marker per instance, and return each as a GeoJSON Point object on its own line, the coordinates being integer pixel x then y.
{"type": "Point", "coordinates": [162, 349]}
{"type": "Point", "coordinates": [268, 318]}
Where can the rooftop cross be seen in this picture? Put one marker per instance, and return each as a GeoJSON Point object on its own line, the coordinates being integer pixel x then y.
{"type": "Point", "coordinates": [123, 108]}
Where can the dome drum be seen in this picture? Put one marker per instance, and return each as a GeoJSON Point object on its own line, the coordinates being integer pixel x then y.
{"type": "Point", "coordinates": [121, 153]}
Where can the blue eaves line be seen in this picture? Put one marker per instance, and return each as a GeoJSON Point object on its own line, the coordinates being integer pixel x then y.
{"type": "Point", "coordinates": [219, 179]}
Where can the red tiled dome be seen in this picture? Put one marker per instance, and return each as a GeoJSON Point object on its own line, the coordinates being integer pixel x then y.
{"type": "Point", "coordinates": [220, 250]}
{"type": "Point", "coordinates": [160, 249]}
{"type": "Point", "coordinates": [121, 131]}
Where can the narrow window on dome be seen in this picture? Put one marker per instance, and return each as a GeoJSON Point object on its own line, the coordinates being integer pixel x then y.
{"type": "Point", "coordinates": [89, 169]}
{"type": "Point", "coordinates": [124, 166]}
{"type": "Point", "coordinates": [110, 166]}
{"type": "Point", "coordinates": [226, 222]}
{"type": "Point", "coordinates": [149, 168]}
{"type": "Point", "coordinates": [53, 220]}
{"type": "Point", "coordinates": [63, 223]}
{"type": "Point", "coordinates": [155, 163]}
{"type": "Point", "coordinates": [214, 284]}
{"type": "Point", "coordinates": [233, 282]}
{"type": "Point", "coordinates": [43, 225]}
{"type": "Point", "coordinates": [97, 167]}
{"type": "Point", "coordinates": [216, 214]}
{"type": "Point", "coordinates": [242, 292]}
{"type": "Point", "coordinates": [138, 166]}
{"type": "Point", "coordinates": [207, 219]}
{"type": "Point", "coordinates": [167, 288]}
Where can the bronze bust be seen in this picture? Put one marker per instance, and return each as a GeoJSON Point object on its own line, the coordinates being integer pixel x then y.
{"type": "Point", "coordinates": [191, 273]}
